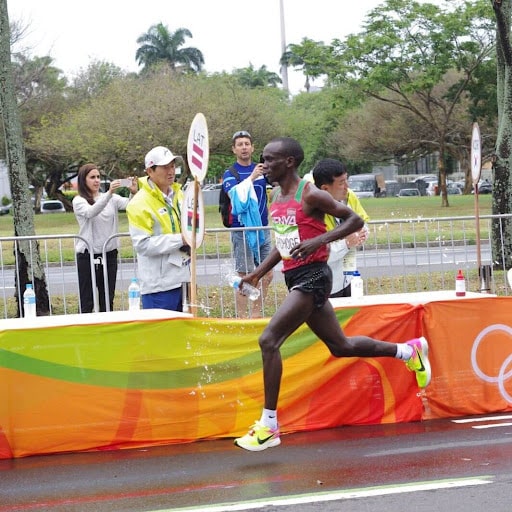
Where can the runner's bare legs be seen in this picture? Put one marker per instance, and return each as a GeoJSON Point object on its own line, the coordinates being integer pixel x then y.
{"type": "Point", "coordinates": [296, 308]}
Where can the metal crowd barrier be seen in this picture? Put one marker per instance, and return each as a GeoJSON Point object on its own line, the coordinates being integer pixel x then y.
{"type": "Point", "coordinates": [400, 256]}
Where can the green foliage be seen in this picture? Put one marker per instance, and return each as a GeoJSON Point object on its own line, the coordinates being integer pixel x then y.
{"type": "Point", "coordinates": [134, 114]}
{"type": "Point", "coordinates": [483, 93]}
{"type": "Point", "coordinates": [91, 81]}
{"type": "Point", "coordinates": [410, 46]}
{"type": "Point", "coordinates": [310, 121]}
{"type": "Point", "coordinates": [113, 119]}
{"type": "Point", "coordinates": [159, 45]}
{"type": "Point", "coordinates": [36, 78]}
{"type": "Point", "coordinates": [252, 78]}
{"type": "Point", "coordinates": [69, 194]}
{"type": "Point", "coordinates": [310, 56]}
{"type": "Point", "coordinates": [420, 59]}
{"type": "Point", "coordinates": [217, 165]}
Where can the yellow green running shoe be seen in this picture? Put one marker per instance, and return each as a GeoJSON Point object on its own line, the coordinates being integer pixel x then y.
{"type": "Point", "coordinates": [419, 362]}
{"type": "Point", "coordinates": [259, 438]}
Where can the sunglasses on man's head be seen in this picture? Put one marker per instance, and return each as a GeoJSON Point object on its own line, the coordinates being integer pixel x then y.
{"type": "Point", "coordinates": [242, 133]}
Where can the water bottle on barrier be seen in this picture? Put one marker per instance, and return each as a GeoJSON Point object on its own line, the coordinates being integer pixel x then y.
{"type": "Point", "coordinates": [356, 285]}
{"type": "Point", "coordinates": [134, 295]}
{"type": "Point", "coordinates": [29, 302]}
{"type": "Point", "coordinates": [349, 261]}
{"type": "Point", "coordinates": [248, 290]}
{"type": "Point", "coordinates": [349, 266]}
{"type": "Point", "coordinates": [460, 284]}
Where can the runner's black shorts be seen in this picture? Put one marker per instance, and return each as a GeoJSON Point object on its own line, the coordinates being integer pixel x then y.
{"type": "Point", "coordinates": [315, 278]}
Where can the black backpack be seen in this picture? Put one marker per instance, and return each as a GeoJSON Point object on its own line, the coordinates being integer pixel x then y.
{"type": "Point", "coordinates": [225, 203]}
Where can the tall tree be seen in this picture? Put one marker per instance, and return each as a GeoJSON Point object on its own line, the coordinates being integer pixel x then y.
{"type": "Point", "coordinates": [28, 259]}
{"type": "Point", "coordinates": [36, 79]}
{"type": "Point", "coordinates": [160, 45]}
{"type": "Point", "coordinates": [42, 92]}
{"type": "Point", "coordinates": [88, 133]}
{"type": "Point", "coordinates": [502, 186]}
{"type": "Point", "coordinates": [89, 82]}
{"type": "Point", "coordinates": [252, 78]}
{"type": "Point", "coordinates": [309, 56]}
{"type": "Point", "coordinates": [407, 50]}
{"type": "Point", "coordinates": [377, 131]}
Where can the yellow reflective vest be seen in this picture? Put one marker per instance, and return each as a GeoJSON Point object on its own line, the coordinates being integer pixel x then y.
{"type": "Point", "coordinates": [155, 230]}
{"type": "Point", "coordinates": [354, 204]}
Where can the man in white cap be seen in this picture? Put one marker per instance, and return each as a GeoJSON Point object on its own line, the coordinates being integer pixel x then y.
{"type": "Point", "coordinates": [154, 217]}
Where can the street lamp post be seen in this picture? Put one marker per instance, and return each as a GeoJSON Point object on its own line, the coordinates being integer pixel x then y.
{"type": "Point", "coordinates": [284, 68]}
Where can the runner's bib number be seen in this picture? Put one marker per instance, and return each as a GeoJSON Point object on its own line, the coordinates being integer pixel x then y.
{"type": "Point", "coordinates": [287, 237]}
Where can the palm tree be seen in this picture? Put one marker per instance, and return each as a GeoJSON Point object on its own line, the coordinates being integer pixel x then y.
{"type": "Point", "coordinates": [159, 45]}
{"type": "Point", "coordinates": [252, 78]}
{"type": "Point", "coordinates": [309, 57]}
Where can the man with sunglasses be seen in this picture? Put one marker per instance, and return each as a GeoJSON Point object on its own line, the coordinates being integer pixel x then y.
{"type": "Point", "coordinates": [246, 186]}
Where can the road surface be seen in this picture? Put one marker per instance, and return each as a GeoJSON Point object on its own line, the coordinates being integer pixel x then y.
{"type": "Point", "coordinates": [434, 466]}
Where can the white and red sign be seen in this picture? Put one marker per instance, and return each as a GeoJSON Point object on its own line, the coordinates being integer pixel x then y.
{"type": "Point", "coordinates": [476, 154]}
{"type": "Point", "coordinates": [189, 210]}
{"type": "Point", "coordinates": [198, 149]}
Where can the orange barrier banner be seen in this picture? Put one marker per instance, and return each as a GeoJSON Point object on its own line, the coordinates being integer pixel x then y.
{"type": "Point", "coordinates": [125, 384]}
{"type": "Point", "coordinates": [122, 382]}
{"type": "Point", "coordinates": [471, 357]}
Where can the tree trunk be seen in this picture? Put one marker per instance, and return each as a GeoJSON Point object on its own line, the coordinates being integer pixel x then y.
{"type": "Point", "coordinates": [28, 260]}
{"type": "Point", "coordinates": [502, 176]}
{"type": "Point", "coordinates": [441, 165]}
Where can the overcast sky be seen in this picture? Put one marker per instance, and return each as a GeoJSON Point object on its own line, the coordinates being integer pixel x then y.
{"type": "Point", "coordinates": [230, 33]}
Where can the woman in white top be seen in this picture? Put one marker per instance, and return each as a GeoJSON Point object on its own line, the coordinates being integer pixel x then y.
{"type": "Point", "coordinates": [97, 218]}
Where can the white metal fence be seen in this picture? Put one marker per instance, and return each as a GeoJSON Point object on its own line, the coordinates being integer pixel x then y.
{"type": "Point", "coordinates": [421, 254]}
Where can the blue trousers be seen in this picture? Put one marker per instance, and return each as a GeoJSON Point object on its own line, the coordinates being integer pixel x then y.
{"type": "Point", "coordinates": [170, 299]}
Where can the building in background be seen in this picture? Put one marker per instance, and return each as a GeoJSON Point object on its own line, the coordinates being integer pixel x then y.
{"type": "Point", "coordinates": [5, 187]}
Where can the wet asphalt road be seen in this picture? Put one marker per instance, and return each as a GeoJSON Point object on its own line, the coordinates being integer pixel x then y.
{"type": "Point", "coordinates": [439, 465]}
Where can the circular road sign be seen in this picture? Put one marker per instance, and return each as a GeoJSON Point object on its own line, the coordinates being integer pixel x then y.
{"type": "Point", "coordinates": [198, 150]}
{"type": "Point", "coordinates": [476, 154]}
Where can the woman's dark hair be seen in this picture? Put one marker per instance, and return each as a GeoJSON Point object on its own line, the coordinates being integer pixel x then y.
{"type": "Point", "coordinates": [83, 189]}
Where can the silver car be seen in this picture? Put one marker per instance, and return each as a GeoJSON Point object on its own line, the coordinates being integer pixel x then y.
{"type": "Point", "coordinates": [52, 206]}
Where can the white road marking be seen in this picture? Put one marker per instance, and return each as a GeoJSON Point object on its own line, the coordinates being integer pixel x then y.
{"type": "Point", "coordinates": [493, 425]}
{"type": "Point", "coordinates": [339, 495]}
{"type": "Point", "coordinates": [484, 418]}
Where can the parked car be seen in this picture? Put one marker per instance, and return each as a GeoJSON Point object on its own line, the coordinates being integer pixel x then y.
{"type": "Point", "coordinates": [5, 209]}
{"type": "Point", "coordinates": [453, 190]}
{"type": "Point", "coordinates": [427, 185]}
{"type": "Point", "coordinates": [426, 177]}
{"type": "Point", "coordinates": [409, 192]}
{"type": "Point", "coordinates": [392, 188]}
{"type": "Point", "coordinates": [367, 185]}
{"type": "Point", "coordinates": [52, 206]}
{"type": "Point", "coordinates": [213, 186]}
{"type": "Point", "coordinates": [484, 187]}
{"type": "Point", "coordinates": [431, 189]}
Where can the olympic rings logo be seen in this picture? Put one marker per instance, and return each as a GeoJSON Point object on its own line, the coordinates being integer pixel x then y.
{"type": "Point", "coordinates": [503, 375]}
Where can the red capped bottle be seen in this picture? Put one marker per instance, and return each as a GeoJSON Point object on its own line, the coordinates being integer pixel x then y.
{"type": "Point", "coordinates": [460, 284]}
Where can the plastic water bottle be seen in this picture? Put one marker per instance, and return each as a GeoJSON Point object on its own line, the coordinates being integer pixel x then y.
{"type": "Point", "coordinates": [349, 266]}
{"type": "Point", "coordinates": [29, 301]}
{"type": "Point", "coordinates": [248, 290]}
{"type": "Point", "coordinates": [460, 284]}
{"type": "Point", "coordinates": [356, 285]}
{"type": "Point", "coordinates": [349, 261]}
{"type": "Point", "coordinates": [134, 295]}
